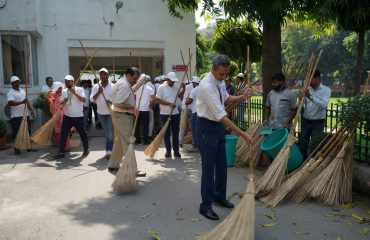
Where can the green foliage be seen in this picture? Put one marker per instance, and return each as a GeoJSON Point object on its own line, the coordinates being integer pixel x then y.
{"type": "Point", "coordinates": [356, 112]}
{"type": "Point", "coordinates": [42, 103]}
{"type": "Point", "coordinates": [3, 129]}
{"type": "Point", "coordinates": [202, 51]}
{"type": "Point", "coordinates": [234, 69]}
{"type": "Point", "coordinates": [316, 139]}
{"type": "Point", "coordinates": [232, 38]}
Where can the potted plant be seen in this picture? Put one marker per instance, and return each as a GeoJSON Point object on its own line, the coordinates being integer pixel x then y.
{"type": "Point", "coordinates": [43, 104]}
{"type": "Point", "coordinates": [3, 131]}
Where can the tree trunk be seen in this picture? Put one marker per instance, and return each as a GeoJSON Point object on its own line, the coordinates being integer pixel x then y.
{"type": "Point", "coordinates": [271, 55]}
{"type": "Point", "coordinates": [360, 61]}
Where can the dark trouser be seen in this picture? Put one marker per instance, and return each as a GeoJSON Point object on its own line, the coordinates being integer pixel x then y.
{"type": "Point", "coordinates": [211, 137]}
{"type": "Point", "coordinates": [142, 120]}
{"type": "Point", "coordinates": [157, 120]}
{"type": "Point", "coordinates": [86, 117]}
{"type": "Point", "coordinates": [194, 132]}
{"type": "Point", "coordinates": [309, 128]}
{"type": "Point", "coordinates": [16, 124]}
{"type": "Point", "coordinates": [67, 124]}
{"type": "Point", "coordinates": [173, 128]}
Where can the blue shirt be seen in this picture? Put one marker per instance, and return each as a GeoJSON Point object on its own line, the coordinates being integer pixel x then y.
{"type": "Point", "coordinates": [315, 109]}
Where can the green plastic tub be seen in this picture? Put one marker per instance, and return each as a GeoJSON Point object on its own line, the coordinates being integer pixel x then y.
{"type": "Point", "coordinates": [230, 146]}
{"type": "Point", "coordinates": [275, 141]}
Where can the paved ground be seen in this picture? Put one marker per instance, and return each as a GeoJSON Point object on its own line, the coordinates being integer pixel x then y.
{"type": "Point", "coordinates": [72, 199]}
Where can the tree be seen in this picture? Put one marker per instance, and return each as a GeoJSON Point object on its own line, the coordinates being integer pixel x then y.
{"type": "Point", "coordinates": [232, 38]}
{"type": "Point", "coordinates": [270, 14]}
{"type": "Point", "coordinates": [202, 51]}
{"type": "Point", "coordinates": [350, 15]}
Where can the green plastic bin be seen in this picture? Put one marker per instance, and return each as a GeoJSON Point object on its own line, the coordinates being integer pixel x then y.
{"type": "Point", "coordinates": [275, 141]}
{"type": "Point", "coordinates": [230, 146]}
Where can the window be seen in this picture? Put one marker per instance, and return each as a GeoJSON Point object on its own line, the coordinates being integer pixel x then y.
{"type": "Point", "coordinates": [15, 62]}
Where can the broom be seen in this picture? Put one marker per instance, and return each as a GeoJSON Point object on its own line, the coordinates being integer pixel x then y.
{"type": "Point", "coordinates": [154, 145]}
{"type": "Point", "coordinates": [184, 118]}
{"type": "Point", "coordinates": [275, 174]}
{"type": "Point", "coordinates": [278, 195]}
{"type": "Point", "coordinates": [239, 225]}
{"type": "Point", "coordinates": [126, 176]}
{"type": "Point", "coordinates": [44, 134]}
{"type": "Point", "coordinates": [188, 139]}
{"type": "Point", "coordinates": [299, 193]}
{"type": "Point", "coordinates": [22, 140]}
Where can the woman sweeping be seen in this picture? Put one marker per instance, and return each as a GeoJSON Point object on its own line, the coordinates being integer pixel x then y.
{"type": "Point", "coordinates": [54, 102]}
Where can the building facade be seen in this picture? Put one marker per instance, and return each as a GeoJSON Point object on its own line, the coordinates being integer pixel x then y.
{"type": "Point", "coordinates": [40, 38]}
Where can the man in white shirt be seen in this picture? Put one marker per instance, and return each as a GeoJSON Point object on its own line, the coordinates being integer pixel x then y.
{"type": "Point", "coordinates": [316, 100]}
{"type": "Point", "coordinates": [17, 100]}
{"type": "Point", "coordinates": [212, 117]}
{"type": "Point", "coordinates": [150, 83]}
{"type": "Point", "coordinates": [72, 99]}
{"type": "Point", "coordinates": [191, 102]}
{"type": "Point", "coordinates": [46, 89]}
{"type": "Point", "coordinates": [101, 94]}
{"type": "Point", "coordinates": [166, 97]}
{"type": "Point", "coordinates": [156, 115]}
{"type": "Point", "coordinates": [87, 91]}
{"type": "Point", "coordinates": [185, 93]}
{"type": "Point", "coordinates": [145, 95]}
{"type": "Point", "coordinates": [124, 111]}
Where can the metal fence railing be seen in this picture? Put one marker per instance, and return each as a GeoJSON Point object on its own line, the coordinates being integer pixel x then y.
{"type": "Point", "coordinates": [362, 145]}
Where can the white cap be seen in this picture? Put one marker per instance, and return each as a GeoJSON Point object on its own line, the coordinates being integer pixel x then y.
{"type": "Point", "coordinates": [162, 77]}
{"type": "Point", "coordinates": [56, 86]}
{"type": "Point", "coordinates": [156, 78]}
{"type": "Point", "coordinates": [172, 76]}
{"type": "Point", "coordinates": [241, 75]}
{"type": "Point", "coordinates": [147, 77]}
{"type": "Point", "coordinates": [69, 78]}
{"type": "Point", "coordinates": [195, 79]}
{"type": "Point", "coordinates": [14, 78]}
{"type": "Point", "coordinates": [142, 77]}
{"type": "Point", "coordinates": [103, 70]}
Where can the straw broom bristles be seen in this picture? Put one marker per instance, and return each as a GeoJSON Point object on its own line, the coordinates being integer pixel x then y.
{"type": "Point", "coordinates": [43, 136]}
{"type": "Point", "coordinates": [188, 139]}
{"type": "Point", "coordinates": [22, 141]}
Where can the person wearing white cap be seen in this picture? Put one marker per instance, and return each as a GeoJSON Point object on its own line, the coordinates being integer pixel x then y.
{"type": "Point", "coordinates": [212, 97]}
{"type": "Point", "coordinates": [145, 95]}
{"type": "Point", "coordinates": [124, 111]}
{"type": "Point", "coordinates": [54, 103]}
{"type": "Point", "coordinates": [166, 96]}
{"type": "Point", "coordinates": [150, 83]}
{"type": "Point", "coordinates": [241, 109]}
{"type": "Point", "coordinates": [156, 115]}
{"type": "Point", "coordinates": [101, 94]}
{"type": "Point", "coordinates": [191, 102]}
{"type": "Point", "coordinates": [17, 100]}
{"type": "Point", "coordinates": [85, 86]}
{"type": "Point", "coordinates": [72, 99]}
{"type": "Point", "coordinates": [185, 93]}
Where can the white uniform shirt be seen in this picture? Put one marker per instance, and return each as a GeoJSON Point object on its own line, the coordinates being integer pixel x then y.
{"type": "Point", "coordinates": [73, 106]}
{"type": "Point", "coordinates": [122, 93]}
{"type": "Point", "coordinates": [209, 105]}
{"type": "Point", "coordinates": [16, 96]}
{"type": "Point", "coordinates": [146, 96]}
{"type": "Point", "coordinates": [168, 94]}
{"type": "Point", "coordinates": [87, 92]}
{"type": "Point", "coordinates": [45, 89]}
{"type": "Point", "coordinates": [315, 109]}
{"type": "Point", "coordinates": [194, 96]}
{"type": "Point", "coordinates": [102, 107]}
{"type": "Point", "coordinates": [188, 89]}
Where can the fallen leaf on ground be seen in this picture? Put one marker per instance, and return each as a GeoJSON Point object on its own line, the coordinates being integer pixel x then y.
{"type": "Point", "coordinates": [348, 205]}
{"type": "Point", "coordinates": [178, 211]}
{"type": "Point", "coordinates": [358, 218]}
{"type": "Point", "coordinates": [116, 210]}
{"type": "Point", "coordinates": [179, 219]}
{"type": "Point", "coordinates": [339, 238]}
{"type": "Point", "coordinates": [301, 233]}
{"type": "Point", "coordinates": [195, 220]}
{"type": "Point", "coordinates": [145, 216]}
{"type": "Point", "coordinates": [350, 223]}
{"type": "Point", "coordinates": [269, 225]}
{"type": "Point", "coordinates": [271, 216]}
{"type": "Point", "coordinates": [154, 234]}
{"type": "Point", "coordinates": [365, 231]}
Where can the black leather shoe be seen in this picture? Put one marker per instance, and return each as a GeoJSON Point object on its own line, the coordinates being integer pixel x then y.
{"type": "Point", "coordinates": [177, 154]}
{"type": "Point", "coordinates": [167, 155]}
{"type": "Point", "coordinates": [85, 153]}
{"type": "Point", "coordinates": [225, 203]}
{"type": "Point", "coordinates": [210, 214]}
{"type": "Point", "coordinates": [111, 169]}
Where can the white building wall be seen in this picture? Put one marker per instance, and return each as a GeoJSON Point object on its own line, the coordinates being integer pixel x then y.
{"type": "Point", "coordinates": [59, 25]}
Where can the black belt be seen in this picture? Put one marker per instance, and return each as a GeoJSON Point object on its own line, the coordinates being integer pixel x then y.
{"type": "Point", "coordinates": [207, 120]}
{"type": "Point", "coordinates": [314, 120]}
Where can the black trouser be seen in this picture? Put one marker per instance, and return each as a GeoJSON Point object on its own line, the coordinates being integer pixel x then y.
{"type": "Point", "coordinates": [157, 120]}
{"type": "Point", "coordinates": [142, 120]}
{"type": "Point", "coordinates": [67, 124]}
{"type": "Point", "coordinates": [308, 129]}
{"type": "Point", "coordinates": [16, 124]}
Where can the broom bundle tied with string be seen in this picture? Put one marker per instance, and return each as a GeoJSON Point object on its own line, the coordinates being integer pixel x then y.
{"type": "Point", "coordinates": [43, 136]}
{"type": "Point", "coordinates": [275, 174]}
{"type": "Point", "coordinates": [242, 148]}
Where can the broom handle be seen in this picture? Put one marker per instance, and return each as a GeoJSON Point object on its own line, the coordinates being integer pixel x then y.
{"type": "Point", "coordinates": [183, 62]}
{"type": "Point", "coordinates": [249, 118]}
{"type": "Point", "coordinates": [114, 69]}
{"type": "Point", "coordinates": [318, 147]}
{"type": "Point", "coordinates": [178, 91]}
{"type": "Point", "coordinates": [190, 64]}
{"type": "Point", "coordinates": [87, 64]}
